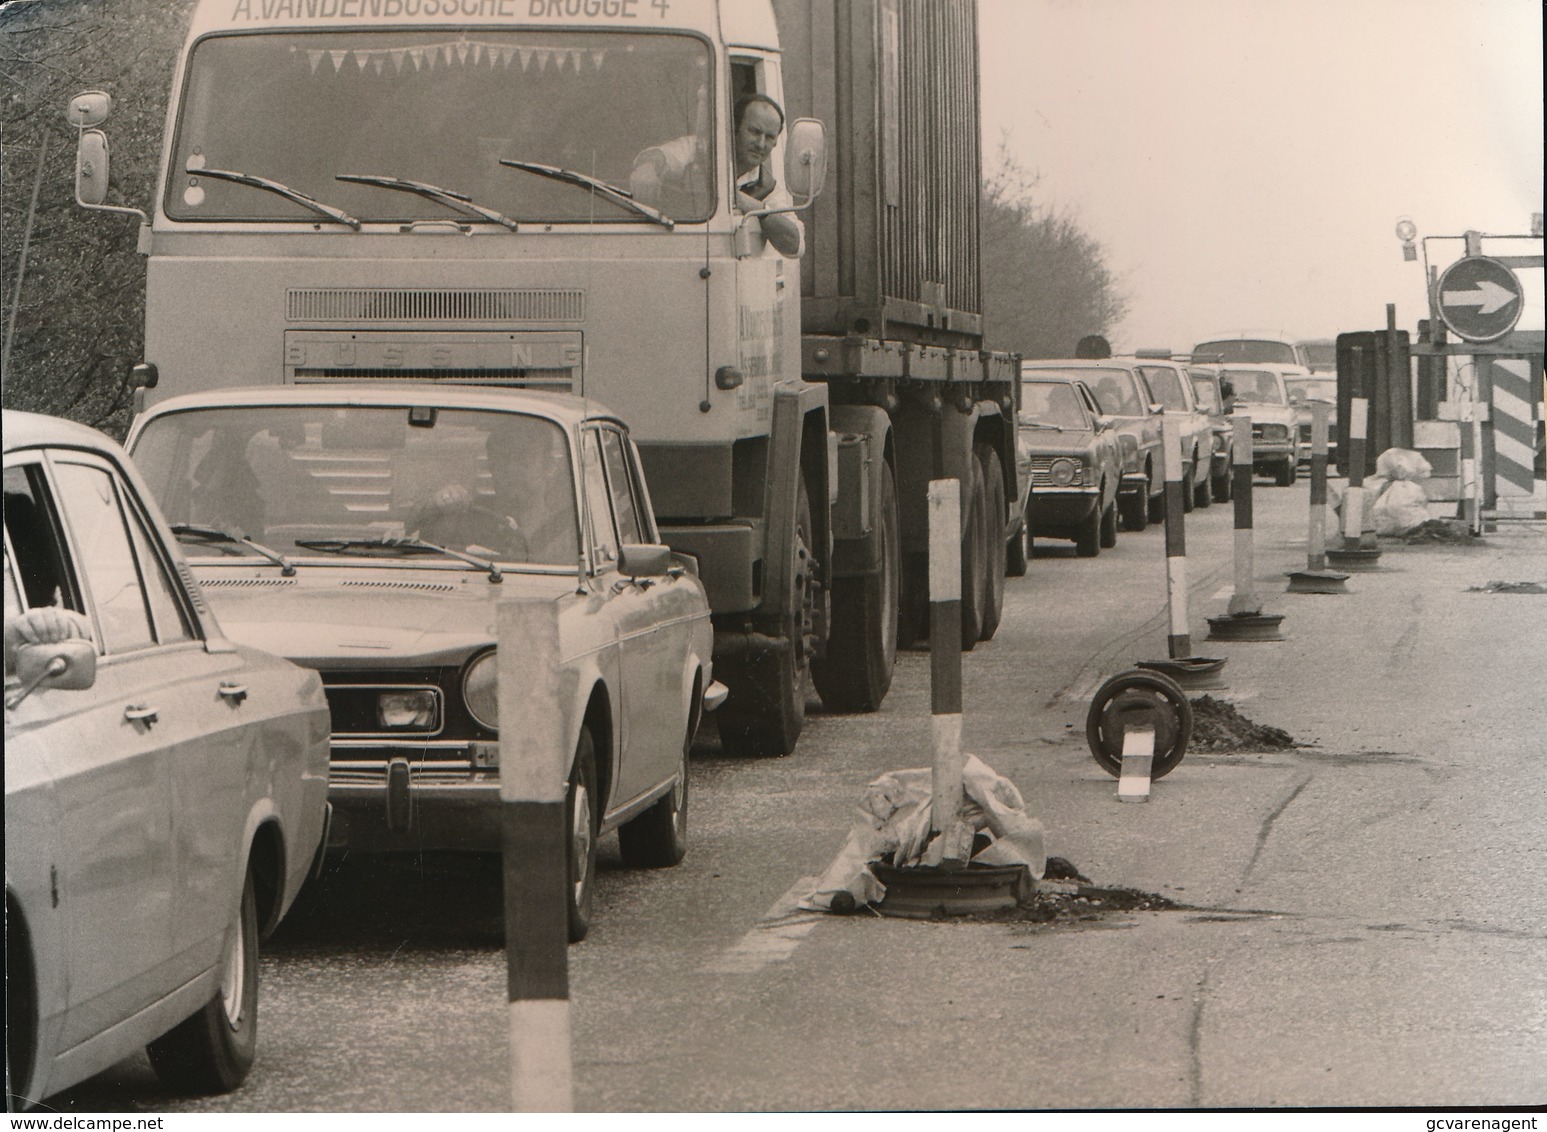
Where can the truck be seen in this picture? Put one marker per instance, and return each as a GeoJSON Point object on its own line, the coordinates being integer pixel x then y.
{"type": "Point", "coordinates": [381, 191]}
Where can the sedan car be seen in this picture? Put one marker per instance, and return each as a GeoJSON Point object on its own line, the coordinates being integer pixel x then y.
{"type": "Point", "coordinates": [1073, 458]}
{"type": "Point", "coordinates": [1124, 397]}
{"type": "Point", "coordinates": [1172, 387]}
{"type": "Point", "coordinates": [1261, 394]}
{"type": "Point", "coordinates": [1214, 397]}
{"type": "Point", "coordinates": [370, 534]}
{"type": "Point", "coordinates": [1304, 388]}
{"type": "Point", "coordinates": [165, 788]}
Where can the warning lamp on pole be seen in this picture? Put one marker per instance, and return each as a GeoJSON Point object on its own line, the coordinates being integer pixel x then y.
{"type": "Point", "coordinates": [1407, 232]}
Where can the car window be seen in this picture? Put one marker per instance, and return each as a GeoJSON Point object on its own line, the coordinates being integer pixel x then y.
{"type": "Point", "coordinates": [1167, 386]}
{"type": "Point", "coordinates": [165, 594]}
{"type": "Point", "coordinates": [1247, 350]}
{"type": "Point", "coordinates": [90, 501]}
{"type": "Point", "coordinates": [35, 541]}
{"type": "Point", "coordinates": [625, 507]}
{"type": "Point", "coordinates": [1207, 395]}
{"type": "Point", "coordinates": [1053, 403]}
{"type": "Point", "coordinates": [604, 537]}
{"type": "Point", "coordinates": [1114, 392]}
{"type": "Point", "coordinates": [1254, 386]}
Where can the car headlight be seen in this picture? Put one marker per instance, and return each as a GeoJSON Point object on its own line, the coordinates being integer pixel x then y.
{"type": "Point", "coordinates": [407, 709]}
{"type": "Point", "coordinates": [1275, 432]}
{"type": "Point", "coordinates": [480, 690]}
{"type": "Point", "coordinates": [1064, 472]}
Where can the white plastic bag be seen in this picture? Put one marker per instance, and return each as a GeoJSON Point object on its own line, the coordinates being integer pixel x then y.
{"type": "Point", "coordinates": [1402, 507]}
{"type": "Point", "coordinates": [1402, 464]}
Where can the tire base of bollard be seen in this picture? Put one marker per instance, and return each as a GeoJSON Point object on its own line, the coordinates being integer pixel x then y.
{"type": "Point", "coordinates": [1139, 698]}
{"type": "Point", "coordinates": [1196, 673]}
{"type": "Point", "coordinates": [1246, 627]}
{"type": "Point", "coordinates": [1362, 558]}
{"type": "Point", "coordinates": [1317, 582]}
{"type": "Point", "coordinates": [928, 892]}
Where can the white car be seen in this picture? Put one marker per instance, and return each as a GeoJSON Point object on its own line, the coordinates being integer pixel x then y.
{"type": "Point", "coordinates": [165, 788]}
{"type": "Point", "coordinates": [1261, 392]}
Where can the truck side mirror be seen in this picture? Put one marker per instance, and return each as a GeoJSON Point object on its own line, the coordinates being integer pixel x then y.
{"type": "Point", "coordinates": [89, 108]}
{"type": "Point", "coordinates": [806, 158]}
{"type": "Point", "coordinates": [91, 168]}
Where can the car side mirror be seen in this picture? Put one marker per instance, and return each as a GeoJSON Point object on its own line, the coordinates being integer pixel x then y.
{"type": "Point", "coordinates": [805, 161]}
{"type": "Point", "coordinates": [644, 560]}
{"type": "Point", "coordinates": [69, 665]}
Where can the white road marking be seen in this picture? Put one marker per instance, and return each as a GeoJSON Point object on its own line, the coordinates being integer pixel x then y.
{"type": "Point", "coordinates": [773, 939]}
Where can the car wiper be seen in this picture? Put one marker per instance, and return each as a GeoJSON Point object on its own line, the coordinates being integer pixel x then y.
{"type": "Point", "coordinates": [399, 542]}
{"type": "Point", "coordinates": [457, 202]}
{"type": "Point", "coordinates": [281, 190]}
{"type": "Point", "coordinates": [1042, 425]}
{"type": "Point", "coordinates": [215, 534]}
{"type": "Point", "coordinates": [619, 196]}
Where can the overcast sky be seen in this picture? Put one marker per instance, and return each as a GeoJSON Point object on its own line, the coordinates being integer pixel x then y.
{"type": "Point", "coordinates": [1244, 162]}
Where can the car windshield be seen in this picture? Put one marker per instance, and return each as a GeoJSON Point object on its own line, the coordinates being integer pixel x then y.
{"type": "Point", "coordinates": [1207, 395]}
{"type": "Point", "coordinates": [1166, 384]}
{"type": "Point", "coordinates": [302, 478]}
{"type": "Point", "coordinates": [1114, 391]}
{"type": "Point", "coordinates": [1246, 350]}
{"type": "Point", "coordinates": [1312, 389]}
{"type": "Point", "coordinates": [1255, 386]}
{"type": "Point", "coordinates": [1053, 403]}
{"type": "Point", "coordinates": [439, 108]}
{"type": "Point", "coordinates": [1322, 357]}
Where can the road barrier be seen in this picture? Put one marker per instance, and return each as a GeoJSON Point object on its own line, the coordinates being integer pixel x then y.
{"type": "Point", "coordinates": [534, 776]}
{"type": "Point", "coordinates": [1244, 619]}
{"type": "Point", "coordinates": [1358, 552]}
{"type": "Point", "coordinates": [945, 671]}
{"type": "Point", "coordinates": [1316, 578]}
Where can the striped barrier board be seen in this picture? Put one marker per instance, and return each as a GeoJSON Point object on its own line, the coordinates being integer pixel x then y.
{"type": "Point", "coordinates": [1516, 409]}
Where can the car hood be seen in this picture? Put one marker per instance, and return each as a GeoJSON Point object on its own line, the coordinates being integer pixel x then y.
{"type": "Point", "coordinates": [1041, 442]}
{"type": "Point", "coordinates": [1266, 414]}
{"type": "Point", "coordinates": [370, 619]}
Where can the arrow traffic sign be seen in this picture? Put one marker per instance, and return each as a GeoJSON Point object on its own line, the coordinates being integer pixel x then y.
{"type": "Point", "coordinates": [1479, 298]}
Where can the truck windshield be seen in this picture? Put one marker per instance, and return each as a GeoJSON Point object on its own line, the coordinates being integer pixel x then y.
{"type": "Point", "coordinates": [1245, 350]}
{"type": "Point", "coordinates": [442, 108]}
{"type": "Point", "coordinates": [336, 478]}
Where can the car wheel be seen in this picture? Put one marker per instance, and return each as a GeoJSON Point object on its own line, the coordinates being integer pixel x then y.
{"type": "Point", "coordinates": [1188, 496]}
{"type": "Point", "coordinates": [1135, 512]}
{"type": "Point", "coordinates": [856, 673]}
{"type": "Point", "coordinates": [1286, 473]}
{"type": "Point", "coordinates": [766, 710]}
{"type": "Point", "coordinates": [1145, 699]}
{"type": "Point", "coordinates": [1200, 488]}
{"type": "Point", "coordinates": [1087, 539]}
{"type": "Point", "coordinates": [974, 598]}
{"type": "Point", "coordinates": [658, 838]}
{"type": "Point", "coordinates": [581, 822]}
{"type": "Point", "coordinates": [1109, 526]}
{"type": "Point", "coordinates": [993, 539]}
{"type": "Point", "coordinates": [1223, 485]}
{"type": "Point", "coordinates": [213, 1051]}
{"type": "Point", "coordinates": [1157, 499]}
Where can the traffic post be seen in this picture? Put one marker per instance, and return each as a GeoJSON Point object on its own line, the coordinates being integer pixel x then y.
{"type": "Point", "coordinates": [1356, 552]}
{"type": "Point", "coordinates": [534, 775]}
{"type": "Point", "coordinates": [945, 672]}
{"type": "Point", "coordinates": [1244, 619]}
{"type": "Point", "coordinates": [1316, 578]}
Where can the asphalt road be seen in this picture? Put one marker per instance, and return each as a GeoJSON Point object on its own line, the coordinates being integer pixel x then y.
{"type": "Point", "coordinates": [1361, 920]}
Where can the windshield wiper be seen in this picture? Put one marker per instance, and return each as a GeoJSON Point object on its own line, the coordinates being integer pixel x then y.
{"type": "Point", "coordinates": [215, 534]}
{"type": "Point", "coordinates": [614, 193]}
{"type": "Point", "coordinates": [282, 190]}
{"type": "Point", "coordinates": [1043, 425]}
{"type": "Point", "coordinates": [457, 202]}
{"type": "Point", "coordinates": [399, 542]}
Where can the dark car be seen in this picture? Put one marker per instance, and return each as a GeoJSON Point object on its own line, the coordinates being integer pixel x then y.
{"type": "Point", "coordinates": [1072, 456]}
{"type": "Point", "coordinates": [1124, 397]}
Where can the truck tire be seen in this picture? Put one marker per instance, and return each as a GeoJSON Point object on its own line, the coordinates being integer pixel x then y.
{"type": "Point", "coordinates": [766, 710]}
{"type": "Point", "coordinates": [974, 569]}
{"type": "Point", "coordinates": [856, 673]}
{"type": "Point", "coordinates": [994, 508]}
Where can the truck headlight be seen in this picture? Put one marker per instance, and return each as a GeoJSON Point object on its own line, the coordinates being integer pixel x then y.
{"type": "Point", "coordinates": [480, 689]}
{"type": "Point", "coordinates": [1064, 472]}
{"type": "Point", "coordinates": [407, 709]}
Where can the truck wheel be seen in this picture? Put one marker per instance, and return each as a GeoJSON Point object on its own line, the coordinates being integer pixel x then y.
{"type": "Point", "coordinates": [1109, 526]}
{"type": "Point", "coordinates": [993, 541]}
{"type": "Point", "coordinates": [766, 710]}
{"type": "Point", "coordinates": [1018, 551]}
{"type": "Point", "coordinates": [1087, 538]}
{"type": "Point", "coordinates": [213, 1051]}
{"type": "Point", "coordinates": [974, 595]}
{"type": "Point", "coordinates": [1223, 485]}
{"type": "Point", "coordinates": [862, 645]}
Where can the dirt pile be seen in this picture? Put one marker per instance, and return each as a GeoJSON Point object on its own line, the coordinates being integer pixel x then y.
{"type": "Point", "coordinates": [1508, 588]}
{"type": "Point", "coordinates": [1219, 728]}
{"type": "Point", "coordinates": [1453, 532]}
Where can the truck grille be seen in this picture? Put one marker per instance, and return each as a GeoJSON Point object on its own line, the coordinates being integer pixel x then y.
{"type": "Point", "coordinates": [362, 304]}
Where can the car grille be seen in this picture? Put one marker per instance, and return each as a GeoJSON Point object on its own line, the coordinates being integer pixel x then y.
{"type": "Point", "coordinates": [1042, 472]}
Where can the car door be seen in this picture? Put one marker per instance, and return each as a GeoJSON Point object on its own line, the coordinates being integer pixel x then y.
{"type": "Point", "coordinates": [115, 867]}
{"type": "Point", "coordinates": [166, 707]}
{"type": "Point", "coordinates": [652, 632]}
